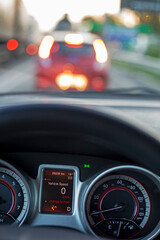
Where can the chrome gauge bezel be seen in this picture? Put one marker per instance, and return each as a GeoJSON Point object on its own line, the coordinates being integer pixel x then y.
{"type": "Point", "coordinates": [6, 167]}
{"type": "Point", "coordinates": [91, 182]}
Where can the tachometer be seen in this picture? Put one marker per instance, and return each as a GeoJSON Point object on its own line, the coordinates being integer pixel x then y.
{"type": "Point", "coordinates": [118, 206]}
{"type": "Point", "coordinates": [14, 200]}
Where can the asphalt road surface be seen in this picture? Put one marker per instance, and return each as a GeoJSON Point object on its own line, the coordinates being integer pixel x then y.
{"type": "Point", "coordinates": [18, 76]}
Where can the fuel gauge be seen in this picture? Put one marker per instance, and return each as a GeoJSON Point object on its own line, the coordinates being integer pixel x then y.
{"type": "Point", "coordinates": [117, 228]}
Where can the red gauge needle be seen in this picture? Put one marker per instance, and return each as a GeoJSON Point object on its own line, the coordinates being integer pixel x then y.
{"type": "Point", "coordinates": [107, 210]}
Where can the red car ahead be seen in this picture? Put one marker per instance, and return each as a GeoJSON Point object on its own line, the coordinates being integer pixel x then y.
{"type": "Point", "coordinates": [72, 61]}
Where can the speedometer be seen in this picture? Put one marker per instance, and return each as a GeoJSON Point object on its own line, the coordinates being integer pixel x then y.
{"type": "Point", "coordinates": [14, 199]}
{"type": "Point", "coordinates": [118, 206]}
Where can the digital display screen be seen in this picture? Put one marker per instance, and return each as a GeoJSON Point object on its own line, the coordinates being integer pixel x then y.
{"type": "Point", "coordinates": [57, 191]}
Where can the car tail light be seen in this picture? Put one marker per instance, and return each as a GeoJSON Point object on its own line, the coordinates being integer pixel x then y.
{"type": "Point", "coordinates": [68, 80]}
{"type": "Point", "coordinates": [80, 82]}
{"type": "Point", "coordinates": [64, 80]}
{"type": "Point", "coordinates": [12, 44]}
{"type": "Point", "coordinates": [45, 47]}
{"type": "Point", "coordinates": [31, 49]}
{"type": "Point", "coordinates": [100, 51]}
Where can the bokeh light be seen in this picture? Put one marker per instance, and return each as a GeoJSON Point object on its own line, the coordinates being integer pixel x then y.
{"type": "Point", "coordinates": [12, 44]}
{"type": "Point", "coordinates": [31, 49]}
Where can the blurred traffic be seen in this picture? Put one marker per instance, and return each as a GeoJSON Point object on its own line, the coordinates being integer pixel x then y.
{"type": "Point", "coordinates": [117, 46]}
{"type": "Point", "coordinates": [70, 60]}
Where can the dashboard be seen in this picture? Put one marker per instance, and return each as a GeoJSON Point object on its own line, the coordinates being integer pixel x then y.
{"type": "Point", "coordinates": [101, 197]}
{"type": "Point", "coordinates": [83, 169]}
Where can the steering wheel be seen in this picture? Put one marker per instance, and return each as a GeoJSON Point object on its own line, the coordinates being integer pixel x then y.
{"type": "Point", "coordinates": [71, 129]}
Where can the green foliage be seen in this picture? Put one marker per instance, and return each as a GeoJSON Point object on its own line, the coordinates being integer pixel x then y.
{"type": "Point", "coordinates": [153, 50]}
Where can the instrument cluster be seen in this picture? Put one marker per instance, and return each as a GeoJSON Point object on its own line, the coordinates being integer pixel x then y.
{"type": "Point", "coordinates": [119, 203]}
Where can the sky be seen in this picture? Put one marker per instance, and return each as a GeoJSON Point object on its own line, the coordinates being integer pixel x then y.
{"type": "Point", "coordinates": [48, 12]}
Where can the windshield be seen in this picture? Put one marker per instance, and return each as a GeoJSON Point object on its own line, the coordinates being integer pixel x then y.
{"type": "Point", "coordinates": [61, 46]}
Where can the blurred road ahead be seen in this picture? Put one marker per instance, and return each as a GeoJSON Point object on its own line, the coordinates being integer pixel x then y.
{"type": "Point", "coordinates": [18, 76]}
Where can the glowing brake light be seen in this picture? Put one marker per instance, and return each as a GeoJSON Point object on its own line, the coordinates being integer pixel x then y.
{"type": "Point", "coordinates": [68, 80]}
{"type": "Point", "coordinates": [74, 39]}
{"type": "Point", "coordinates": [31, 49]}
{"type": "Point", "coordinates": [12, 44]}
{"type": "Point", "coordinates": [45, 47]}
{"type": "Point", "coordinates": [100, 50]}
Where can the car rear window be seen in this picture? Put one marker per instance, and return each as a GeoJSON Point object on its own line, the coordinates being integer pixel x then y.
{"type": "Point", "coordinates": [60, 48]}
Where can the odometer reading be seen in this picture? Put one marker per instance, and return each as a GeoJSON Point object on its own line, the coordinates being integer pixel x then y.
{"type": "Point", "coordinates": [57, 191]}
{"type": "Point", "coordinates": [118, 206]}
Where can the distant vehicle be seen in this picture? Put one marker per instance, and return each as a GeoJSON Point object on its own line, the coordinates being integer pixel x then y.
{"type": "Point", "coordinates": [17, 28]}
{"type": "Point", "coordinates": [68, 60]}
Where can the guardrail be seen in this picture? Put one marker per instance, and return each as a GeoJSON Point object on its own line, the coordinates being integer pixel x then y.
{"type": "Point", "coordinates": [136, 59]}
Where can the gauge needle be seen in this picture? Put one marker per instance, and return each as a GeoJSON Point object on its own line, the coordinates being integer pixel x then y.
{"type": "Point", "coordinates": [7, 214]}
{"type": "Point", "coordinates": [119, 229]}
{"type": "Point", "coordinates": [107, 210]}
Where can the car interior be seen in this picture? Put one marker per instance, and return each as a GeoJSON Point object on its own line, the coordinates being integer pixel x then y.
{"type": "Point", "coordinates": [100, 159]}
{"type": "Point", "coordinates": [79, 120]}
